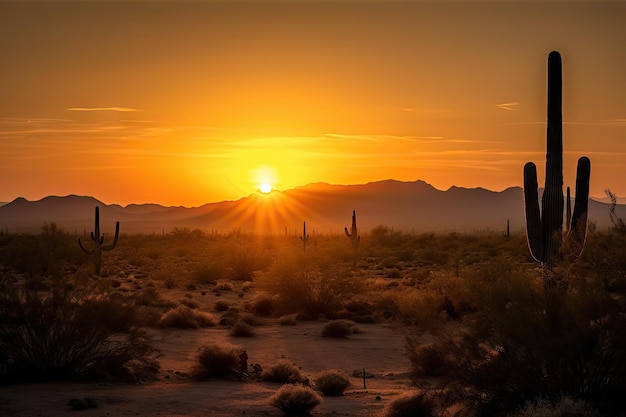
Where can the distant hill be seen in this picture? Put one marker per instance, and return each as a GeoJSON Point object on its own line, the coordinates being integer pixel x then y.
{"type": "Point", "coordinates": [409, 206]}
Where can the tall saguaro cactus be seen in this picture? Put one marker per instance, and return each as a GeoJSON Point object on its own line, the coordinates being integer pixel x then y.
{"type": "Point", "coordinates": [304, 238]}
{"type": "Point", "coordinates": [98, 240]}
{"type": "Point", "coordinates": [354, 238]}
{"type": "Point", "coordinates": [545, 229]}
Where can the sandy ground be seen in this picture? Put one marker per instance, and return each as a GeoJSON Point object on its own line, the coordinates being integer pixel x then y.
{"type": "Point", "coordinates": [378, 349]}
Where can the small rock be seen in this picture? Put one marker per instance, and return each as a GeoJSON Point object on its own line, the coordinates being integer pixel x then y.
{"type": "Point", "coordinates": [78, 404]}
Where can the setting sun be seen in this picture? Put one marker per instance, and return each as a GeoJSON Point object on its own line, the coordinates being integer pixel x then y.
{"type": "Point", "coordinates": [265, 188]}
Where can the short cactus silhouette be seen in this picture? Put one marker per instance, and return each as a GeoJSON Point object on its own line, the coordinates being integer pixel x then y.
{"type": "Point", "coordinates": [545, 229]}
{"type": "Point", "coordinates": [99, 242]}
{"type": "Point", "coordinates": [304, 238]}
{"type": "Point", "coordinates": [354, 237]}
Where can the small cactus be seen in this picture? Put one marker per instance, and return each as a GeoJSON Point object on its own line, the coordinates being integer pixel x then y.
{"type": "Point", "coordinates": [99, 242]}
{"type": "Point", "coordinates": [354, 238]}
{"type": "Point", "coordinates": [304, 238]}
{"type": "Point", "coordinates": [545, 229]}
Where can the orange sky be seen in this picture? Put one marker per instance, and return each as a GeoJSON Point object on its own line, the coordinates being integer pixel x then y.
{"type": "Point", "coordinates": [188, 103]}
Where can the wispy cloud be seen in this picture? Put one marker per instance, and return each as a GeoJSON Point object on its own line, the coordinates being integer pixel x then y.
{"type": "Point", "coordinates": [508, 106]}
{"type": "Point", "coordinates": [118, 109]}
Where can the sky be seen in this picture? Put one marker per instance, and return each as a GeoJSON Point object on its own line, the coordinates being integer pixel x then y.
{"type": "Point", "coordinates": [185, 103]}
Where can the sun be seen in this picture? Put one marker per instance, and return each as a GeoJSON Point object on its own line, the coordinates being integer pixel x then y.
{"type": "Point", "coordinates": [265, 187]}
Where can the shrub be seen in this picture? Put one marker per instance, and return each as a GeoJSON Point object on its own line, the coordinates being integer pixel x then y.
{"type": "Point", "coordinates": [284, 372]}
{"type": "Point", "coordinates": [218, 361]}
{"type": "Point", "coordinates": [295, 399]}
{"type": "Point", "coordinates": [411, 405]}
{"type": "Point", "coordinates": [332, 383]}
{"type": "Point", "coordinates": [67, 333]}
{"type": "Point", "coordinates": [339, 328]}
{"type": "Point", "coordinates": [565, 407]}
{"type": "Point", "coordinates": [262, 305]}
{"type": "Point", "coordinates": [427, 360]}
{"type": "Point", "coordinates": [288, 320]}
{"type": "Point", "coordinates": [182, 317]}
{"type": "Point", "coordinates": [242, 329]}
{"type": "Point", "coordinates": [302, 286]}
{"type": "Point", "coordinates": [221, 305]}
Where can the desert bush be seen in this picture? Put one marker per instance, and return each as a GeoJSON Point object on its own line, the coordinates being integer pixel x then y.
{"type": "Point", "coordinates": [564, 407]}
{"type": "Point", "coordinates": [427, 360]}
{"type": "Point", "coordinates": [510, 353]}
{"type": "Point", "coordinates": [224, 286]}
{"type": "Point", "coordinates": [210, 273]}
{"type": "Point", "coordinates": [242, 329]}
{"type": "Point", "coordinates": [262, 305]}
{"type": "Point", "coordinates": [332, 383]}
{"type": "Point", "coordinates": [68, 333]}
{"type": "Point", "coordinates": [284, 372]}
{"type": "Point", "coordinates": [189, 303]}
{"type": "Point", "coordinates": [411, 405]}
{"type": "Point", "coordinates": [183, 317]}
{"type": "Point", "coordinates": [288, 320]}
{"type": "Point", "coordinates": [302, 286]}
{"type": "Point", "coordinates": [221, 305]}
{"type": "Point", "coordinates": [295, 399]}
{"type": "Point", "coordinates": [218, 361]}
{"type": "Point", "coordinates": [338, 328]}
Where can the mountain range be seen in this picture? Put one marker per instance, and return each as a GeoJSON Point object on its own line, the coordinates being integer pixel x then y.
{"type": "Point", "coordinates": [414, 206]}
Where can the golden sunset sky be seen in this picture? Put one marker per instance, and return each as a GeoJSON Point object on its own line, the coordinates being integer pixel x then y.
{"type": "Point", "coordinates": [184, 103]}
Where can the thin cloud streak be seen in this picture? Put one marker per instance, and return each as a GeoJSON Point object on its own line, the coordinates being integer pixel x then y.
{"type": "Point", "coordinates": [508, 106]}
{"type": "Point", "coordinates": [117, 109]}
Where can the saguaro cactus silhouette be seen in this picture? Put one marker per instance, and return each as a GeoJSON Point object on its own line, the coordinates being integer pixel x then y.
{"type": "Point", "coordinates": [545, 229]}
{"type": "Point", "coordinates": [99, 242]}
{"type": "Point", "coordinates": [354, 238]}
{"type": "Point", "coordinates": [304, 238]}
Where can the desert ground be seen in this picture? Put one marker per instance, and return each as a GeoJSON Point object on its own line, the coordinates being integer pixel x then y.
{"type": "Point", "coordinates": [397, 285]}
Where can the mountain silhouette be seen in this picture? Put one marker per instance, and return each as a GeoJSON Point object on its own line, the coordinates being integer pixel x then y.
{"type": "Point", "coordinates": [415, 207]}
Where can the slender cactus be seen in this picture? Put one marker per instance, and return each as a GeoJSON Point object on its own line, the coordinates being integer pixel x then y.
{"type": "Point", "coordinates": [354, 238]}
{"type": "Point", "coordinates": [507, 233]}
{"type": "Point", "coordinates": [98, 240]}
{"type": "Point", "coordinates": [304, 238]}
{"type": "Point", "coordinates": [545, 229]}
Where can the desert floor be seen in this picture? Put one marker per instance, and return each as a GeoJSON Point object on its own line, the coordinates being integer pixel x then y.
{"type": "Point", "coordinates": [378, 348]}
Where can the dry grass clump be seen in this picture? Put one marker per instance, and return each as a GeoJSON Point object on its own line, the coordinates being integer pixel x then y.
{"type": "Point", "coordinates": [565, 407]}
{"type": "Point", "coordinates": [218, 361]}
{"type": "Point", "coordinates": [221, 305]}
{"type": "Point", "coordinates": [183, 317]}
{"type": "Point", "coordinates": [284, 372]}
{"type": "Point", "coordinates": [288, 320]}
{"type": "Point", "coordinates": [411, 405]}
{"type": "Point", "coordinates": [427, 360]}
{"type": "Point", "coordinates": [262, 305]}
{"type": "Point", "coordinates": [224, 286]}
{"type": "Point", "coordinates": [242, 329]}
{"type": "Point", "coordinates": [339, 328]}
{"type": "Point", "coordinates": [295, 399]}
{"type": "Point", "coordinates": [332, 383]}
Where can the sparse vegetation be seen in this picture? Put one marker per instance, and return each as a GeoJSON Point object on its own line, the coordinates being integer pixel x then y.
{"type": "Point", "coordinates": [332, 383]}
{"type": "Point", "coordinates": [284, 372]}
{"type": "Point", "coordinates": [295, 399]}
{"type": "Point", "coordinates": [411, 405]}
{"type": "Point", "coordinates": [339, 328]}
{"type": "Point", "coordinates": [218, 361]}
{"type": "Point", "coordinates": [183, 317]}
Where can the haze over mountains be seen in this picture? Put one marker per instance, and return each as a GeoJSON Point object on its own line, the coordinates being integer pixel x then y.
{"type": "Point", "coordinates": [408, 206]}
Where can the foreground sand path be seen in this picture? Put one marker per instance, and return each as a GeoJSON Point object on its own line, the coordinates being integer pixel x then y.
{"type": "Point", "coordinates": [379, 349]}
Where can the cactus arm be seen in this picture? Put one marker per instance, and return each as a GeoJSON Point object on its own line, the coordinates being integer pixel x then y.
{"type": "Point", "coordinates": [348, 234]}
{"type": "Point", "coordinates": [115, 238]}
{"type": "Point", "coordinates": [534, 228]}
{"type": "Point", "coordinates": [88, 252]}
{"type": "Point", "coordinates": [578, 230]}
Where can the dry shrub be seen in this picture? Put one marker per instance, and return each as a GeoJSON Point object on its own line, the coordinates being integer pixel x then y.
{"type": "Point", "coordinates": [224, 286]}
{"type": "Point", "coordinates": [221, 305]}
{"type": "Point", "coordinates": [242, 329]}
{"type": "Point", "coordinates": [411, 405]}
{"type": "Point", "coordinates": [427, 360]}
{"type": "Point", "coordinates": [339, 328]}
{"type": "Point", "coordinates": [284, 372]}
{"type": "Point", "coordinates": [288, 320]}
{"type": "Point", "coordinates": [295, 399]}
{"type": "Point", "coordinates": [66, 333]}
{"type": "Point", "coordinates": [565, 407]}
{"type": "Point", "coordinates": [263, 305]}
{"type": "Point", "coordinates": [332, 383]}
{"type": "Point", "coordinates": [182, 317]}
{"type": "Point", "coordinates": [303, 286]}
{"type": "Point", "coordinates": [218, 361]}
